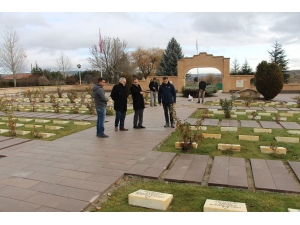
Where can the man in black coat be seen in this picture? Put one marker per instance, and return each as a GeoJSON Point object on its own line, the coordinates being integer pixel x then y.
{"type": "Point", "coordinates": [167, 96]}
{"type": "Point", "coordinates": [138, 104]}
{"type": "Point", "coordinates": [119, 96]}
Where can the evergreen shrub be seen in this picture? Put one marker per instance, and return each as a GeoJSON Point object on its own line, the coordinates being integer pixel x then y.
{"type": "Point", "coordinates": [268, 79]}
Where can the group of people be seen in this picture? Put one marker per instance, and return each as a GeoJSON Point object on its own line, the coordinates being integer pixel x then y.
{"type": "Point", "coordinates": [166, 97]}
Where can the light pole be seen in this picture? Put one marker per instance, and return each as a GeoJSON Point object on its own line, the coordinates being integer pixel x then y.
{"type": "Point", "coordinates": [79, 66]}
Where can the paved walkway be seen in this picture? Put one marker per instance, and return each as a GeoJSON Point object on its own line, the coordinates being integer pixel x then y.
{"type": "Point", "coordinates": [71, 172]}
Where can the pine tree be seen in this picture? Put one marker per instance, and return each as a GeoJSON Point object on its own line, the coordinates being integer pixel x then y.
{"type": "Point", "coordinates": [278, 56]}
{"type": "Point", "coordinates": [235, 67]}
{"type": "Point", "coordinates": [168, 63]}
{"type": "Point", "coordinates": [246, 69]}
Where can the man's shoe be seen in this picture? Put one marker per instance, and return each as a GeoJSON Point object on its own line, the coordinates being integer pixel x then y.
{"type": "Point", "coordinates": [155, 105]}
{"type": "Point", "coordinates": [123, 129]}
{"type": "Point", "coordinates": [142, 127]}
{"type": "Point", "coordinates": [103, 136]}
{"type": "Point", "coordinates": [116, 128]}
{"type": "Point", "coordinates": [198, 102]}
{"type": "Point", "coordinates": [136, 127]}
{"type": "Point", "coordinates": [172, 125]}
{"type": "Point", "coordinates": [166, 125]}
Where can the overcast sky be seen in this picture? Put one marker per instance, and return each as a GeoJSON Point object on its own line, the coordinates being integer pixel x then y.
{"type": "Point", "coordinates": [44, 33]}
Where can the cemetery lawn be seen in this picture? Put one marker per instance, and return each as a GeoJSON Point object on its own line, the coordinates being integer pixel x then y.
{"type": "Point", "coordinates": [68, 128]}
{"type": "Point", "coordinates": [192, 197]}
{"type": "Point", "coordinates": [249, 149]}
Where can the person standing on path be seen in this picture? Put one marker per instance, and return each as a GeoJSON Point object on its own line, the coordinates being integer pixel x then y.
{"type": "Point", "coordinates": [119, 96]}
{"type": "Point", "coordinates": [202, 87]}
{"type": "Point", "coordinates": [100, 105]}
{"type": "Point", "coordinates": [138, 104]}
{"type": "Point", "coordinates": [167, 97]}
{"type": "Point", "coordinates": [153, 86]}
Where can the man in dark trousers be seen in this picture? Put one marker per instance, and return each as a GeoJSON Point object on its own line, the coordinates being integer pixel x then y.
{"type": "Point", "coordinates": [202, 86]}
{"type": "Point", "coordinates": [138, 104]}
{"type": "Point", "coordinates": [100, 105]}
{"type": "Point", "coordinates": [167, 96]}
{"type": "Point", "coordinates": [153, 86]}
{"type": "Point", "coordinates": [119, 96]}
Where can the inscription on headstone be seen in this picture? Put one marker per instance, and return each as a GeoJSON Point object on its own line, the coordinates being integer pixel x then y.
{"type": "Point", "coordinates": [223, 206]}
{"type": "Point", "coordinates": [150, 199]}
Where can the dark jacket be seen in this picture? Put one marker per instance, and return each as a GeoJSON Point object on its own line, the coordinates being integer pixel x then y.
{"type": "Point", "coordinates": [152, 85]}
{"type": "Point", "coordinates": [119, 96]}
{"type": "Point", "coordinates": [137, 97]}
{"type": "Point", "coordinates": [99, 97]}
{"type": "Point", "coordinates": [202, 85]}
{"type": "Point", "coordinates": [166, 94]}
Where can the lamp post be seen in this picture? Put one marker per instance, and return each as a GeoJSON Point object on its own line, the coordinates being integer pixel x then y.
{"type": "Point", "coordinates": [79, 66]}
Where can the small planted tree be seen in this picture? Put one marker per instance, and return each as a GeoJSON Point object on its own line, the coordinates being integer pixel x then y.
{"type": "Point", "coordinates": [268, 79]}
{"type": "Point", "coordinates": [226, 107]}
{"type": "Point", "coordinates": [187, 135]}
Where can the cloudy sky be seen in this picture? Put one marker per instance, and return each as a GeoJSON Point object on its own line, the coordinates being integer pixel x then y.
{"type": "Point", "coordinates": [47, 31]}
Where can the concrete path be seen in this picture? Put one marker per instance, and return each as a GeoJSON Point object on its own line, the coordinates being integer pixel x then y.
{"type": "Point", "coordinates": [71, 172]}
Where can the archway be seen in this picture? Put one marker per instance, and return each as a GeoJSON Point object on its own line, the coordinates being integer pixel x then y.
{"type": "Point", "coordinates": [200, 61]}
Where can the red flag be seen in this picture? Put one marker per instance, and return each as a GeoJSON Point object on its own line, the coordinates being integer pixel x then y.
{"type": "Point", "coordinates": [100, 43]}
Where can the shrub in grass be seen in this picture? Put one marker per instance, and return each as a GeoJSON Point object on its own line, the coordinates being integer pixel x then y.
{"type": "Point", "coordinates": [226, 107]}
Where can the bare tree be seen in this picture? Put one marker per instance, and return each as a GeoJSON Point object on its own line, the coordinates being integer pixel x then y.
{"type": "Point", "coordinates": [63, 64]}
{"type": "Point", "coordinates": [114, 58]}
{"type": "Point", "coordinates": [147, 60]}
{"type": "Point", "coordinates": [12, 55]}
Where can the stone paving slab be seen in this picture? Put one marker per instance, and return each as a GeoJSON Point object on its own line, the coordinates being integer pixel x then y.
{"type": "Point", "coordinates": [270, 124]}
{"type": "Point", "coordinates": [296, 168]}
{"type": "Point", "coordinates": [92, 118]}
{"type": "Point", "coordinates": [229, 172]}
{"type": "Point", "coordinates": [83, 117]}
{"type": "Point", "coordinates": [282, 108]}
{"type": "Point", "coordinates": [290, 125]}
{"type": "Point", "coordinates": [152, 164]}
{"type": "Point", "coordinates": [255, 108]}
{"type": "Point", "coordinates": [295, 109]}
{"type": "Point", "coordinates": [249, 123]}
{"type": "Point", "coordinates": [229, 123]}
{"type": "Point", "coordinates": [215, 107]}
{"type": "Point", "coordinates": [272, 175]}
{"type": "Point", "coordinates": [211, 122]}
{"type": "Point", "coordinates": [2, 138]}
{"type": "Point", "coordinates": [12, 141]}
{"type": "Point", "coordinates": [242, 107]}
{"type": "Point", "coordinates": [269, 108]}
{"type": "Point", "coordinates": [188, 168]}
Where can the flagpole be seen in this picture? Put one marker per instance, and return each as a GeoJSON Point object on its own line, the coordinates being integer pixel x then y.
{"type": "Point", "coordinates": [197, 54]}
{"type": "Point", "coordinates": [100, 50]}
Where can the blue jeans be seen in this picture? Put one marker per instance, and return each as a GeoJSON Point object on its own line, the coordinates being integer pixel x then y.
{"type": "Point", "coordinates": [120, 117]}
{"type": "Point", "coordinates": [100, 121]}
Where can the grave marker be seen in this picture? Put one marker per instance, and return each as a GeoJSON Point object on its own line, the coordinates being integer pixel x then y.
{"type": "Point", "coordinates": [223, 206]}
{"type": "Point", "coordinates": [150, 199]}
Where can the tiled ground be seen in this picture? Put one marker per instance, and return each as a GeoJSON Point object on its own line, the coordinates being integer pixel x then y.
{"type": "Point", "coordinates": [290, 125]}
{"type": "Point", "coordinates": [249, 123]}
{"type": "Point", "coordinates": [152, 165]}
{"type": "Point", "coordinates": [210, 122]}
{"type": "Point", "coordinates": [229, 172]}
{"type": "Point", "coordinates": [188, 168]}
{"type": "Point", "coordinates": [229, 123]}
{"type": "Point", "coordinates": [270, 124]}
{"type": "Point", "coordinates": [296, 168]}
{"type": "Point", "coordinates": [272, 175]}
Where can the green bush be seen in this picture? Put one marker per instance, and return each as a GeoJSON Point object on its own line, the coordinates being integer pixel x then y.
{"type": "Point", "coordinates": [268, 79]}
{"type": "Point", "coordinates": [193, 90]}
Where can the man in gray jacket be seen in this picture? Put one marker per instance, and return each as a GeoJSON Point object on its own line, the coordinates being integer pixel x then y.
{"type": "Point", "coordinates": [100, 105]}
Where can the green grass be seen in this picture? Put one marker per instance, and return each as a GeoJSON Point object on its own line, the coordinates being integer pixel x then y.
{"type": "Point", "coordinates": [191, 198]}
{"type": "Point", "coordinates": [249, 149]}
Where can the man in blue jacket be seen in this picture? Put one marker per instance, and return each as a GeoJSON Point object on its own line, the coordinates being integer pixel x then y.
{"type": "Point", "coordinates": [167, 97]}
